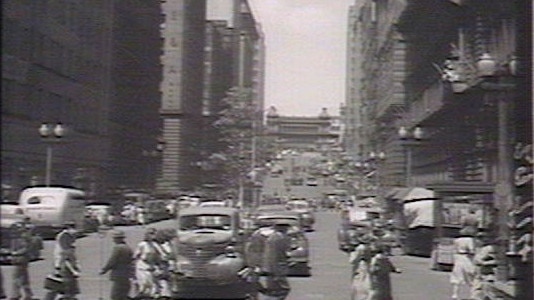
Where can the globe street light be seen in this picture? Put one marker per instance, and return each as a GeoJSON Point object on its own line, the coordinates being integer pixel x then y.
{"type": "Point", "coordinates": [50, 134]}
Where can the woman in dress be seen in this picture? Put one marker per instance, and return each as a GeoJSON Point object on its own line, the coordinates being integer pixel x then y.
{"type": "Point", "coordinates": [360, 259]}
{"type": "Point", "coordinates": [147, 258]}
{"type": "Point", "coordinates": [164, 238]}
{"type": "Point", "coordinates": [463, 269]}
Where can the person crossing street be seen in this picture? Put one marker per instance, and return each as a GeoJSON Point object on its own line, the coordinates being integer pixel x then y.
{"type": "Point", "coordinates": [275, 262]}
{"type": "Point", "coordinates": [20, 251]}
{"type": "Point", "coordinates": [120, 266]}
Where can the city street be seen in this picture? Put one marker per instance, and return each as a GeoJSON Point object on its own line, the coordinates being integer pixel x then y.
{"type": "Point", "coordinates": [330, 268]}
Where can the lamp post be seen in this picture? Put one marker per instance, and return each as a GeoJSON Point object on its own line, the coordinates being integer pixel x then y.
{"type": "Point", "coordinates": [50, 134]}
{"type": "Point", "coordinates": [408, 140]}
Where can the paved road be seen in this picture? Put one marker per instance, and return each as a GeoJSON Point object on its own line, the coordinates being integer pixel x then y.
{"type": "Point", "coordinates": [330, 268]}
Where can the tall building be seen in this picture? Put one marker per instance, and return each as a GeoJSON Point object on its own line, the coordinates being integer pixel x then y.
{"type": "Point", "coordinates": [468, 89]}
{"type": "Point", "coordinates": [232, 58]}
{"type": "Point", "coordinates": [183, 32]}
{"type": "Point", "coordinates": [92, 66]}
{"type": "Point", "coordinates": [134, 120]}
{"type": "Point", "coordinates": [447, 96]}
{"type": "Point", "coordinates": [57, 68]}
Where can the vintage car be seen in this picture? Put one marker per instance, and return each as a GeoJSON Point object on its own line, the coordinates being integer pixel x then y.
{"type": "Point", "coordinates": [8, 223]}
{"type": "Point", "coordinates": [299, 255]}
{"type": "Point", "coordinates": [210, 246]}
{"type": "Point", "coordinates": [305, 210]}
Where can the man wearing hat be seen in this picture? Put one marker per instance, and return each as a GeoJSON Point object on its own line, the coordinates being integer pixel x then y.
{"type": "Point", "coordinates": [20, 251]}
{"type": "Point", "coordinates": [275, 261]}
{"type": "Point", "coordinates": [121, 265]}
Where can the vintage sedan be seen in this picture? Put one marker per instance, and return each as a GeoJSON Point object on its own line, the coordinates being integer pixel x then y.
{"type": "Point", "coordinates": [305, 210]}
{"type": "Point", "coordinates": [299, 255]}
{"type": "Point", "coordinates": [210, 246]}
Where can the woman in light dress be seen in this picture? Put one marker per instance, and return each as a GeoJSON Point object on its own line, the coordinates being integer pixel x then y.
{"type": "Point", "coordinates": [147, 257]}
{"type": "Point", "coordinates": [463, 270]}
{"type": "Point", "coordinates": [360, 259]}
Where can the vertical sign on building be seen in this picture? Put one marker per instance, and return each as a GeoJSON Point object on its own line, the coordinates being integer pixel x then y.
{"type": "Point", "coordinates": [172, 34]}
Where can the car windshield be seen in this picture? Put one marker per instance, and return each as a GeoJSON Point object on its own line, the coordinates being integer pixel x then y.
{"type": "Point", "coordinates": [194, 222]}
{"type": "Point", "coordinates": [262, 222]}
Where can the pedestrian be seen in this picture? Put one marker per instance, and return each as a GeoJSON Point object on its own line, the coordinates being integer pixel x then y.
{"type": "Point", "coordinates": [380, 269]}
{"type": "Point", "coordinates": [275, 262]}
{"type": "Point", "coordinates": [141, 215]}
{"type": "Point", "coordinates": [360, 259]}
{"type": "Point", "coordinates": [463, 268]}
{"type": "Point", "coordinates": [255, 246]}
{"type": "Point", "coordinates": [20, 251]}
{"type": "Point", "coordinates": [69, 271]}
{"type": "Point", "coordinates": [471, 219]}
{"type": "Point", "coordinates": [166, 265]}
{"type": "Point", "coordinates": [485, 261]}
{"type": "Point", "coordinates": [64, 241]}
{"type": "Point", "coordinates": [146, 257]}
{"type": "Point", "coordinates": [120, 263]}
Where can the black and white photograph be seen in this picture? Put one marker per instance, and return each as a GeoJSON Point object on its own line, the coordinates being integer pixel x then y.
{"type": "Point", "coordinates": [267, 150]}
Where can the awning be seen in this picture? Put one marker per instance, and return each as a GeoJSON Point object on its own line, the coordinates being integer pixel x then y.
{"type": "Point", "coordinates": [416, 193]}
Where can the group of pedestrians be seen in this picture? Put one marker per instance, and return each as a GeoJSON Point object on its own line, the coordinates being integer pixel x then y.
{"type": "Point", "coordinates": [267, 255]}
{"type": "Point", "coordinates": [371, 268]}
{"type": "Point", "coordinates": [474, 262]}
{"type": "Point", "coordinates": [154, 265]}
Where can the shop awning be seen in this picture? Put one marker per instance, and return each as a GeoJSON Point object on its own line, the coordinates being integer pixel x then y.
{"type": "Point", "coordinates": [415, 193]}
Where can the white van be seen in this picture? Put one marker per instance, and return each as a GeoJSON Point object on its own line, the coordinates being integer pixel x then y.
{"type": "Point", "coordinates": [50, 207]}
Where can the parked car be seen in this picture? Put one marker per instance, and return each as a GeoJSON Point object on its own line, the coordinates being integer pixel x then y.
{"type": "Point", "coordinates": [305, 210]}
{"type": "Point", "coordinates": [50, 207]}
{"type": "Point", "coordinates": [8, 223]}
{"type": "Point", "coordinates": [298, 256]}
{"type": "Point", "coordinates": [210, 253]}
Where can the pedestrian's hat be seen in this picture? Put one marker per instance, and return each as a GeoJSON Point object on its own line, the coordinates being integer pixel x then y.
{"type": "Point", "coordinates": [118, 234]}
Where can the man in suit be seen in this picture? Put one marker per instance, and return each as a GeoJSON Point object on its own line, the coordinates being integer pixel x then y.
{"type": "Point", "coordinates": [20, 251]}
{"type": "Point", "coordinates": [121, 265]}
{"type": "Point", "coordinates": [275, 261]}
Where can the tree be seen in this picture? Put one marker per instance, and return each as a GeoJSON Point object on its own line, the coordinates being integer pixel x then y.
{"type": "Point", "coordinates": [235, 125]}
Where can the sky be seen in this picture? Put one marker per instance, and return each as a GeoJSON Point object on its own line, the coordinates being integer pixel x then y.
{"type": "Point", "coordinates": [305, 54]}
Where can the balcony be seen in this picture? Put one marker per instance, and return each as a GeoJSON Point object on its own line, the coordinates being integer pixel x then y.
{"type": "Point", "coordinates": [430, 101]}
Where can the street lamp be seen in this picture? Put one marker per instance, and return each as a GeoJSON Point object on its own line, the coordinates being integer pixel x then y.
{"type": "Point", "coordinates": [415, 136]}
{"type": "Point", "coordinates": [50, 134]}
